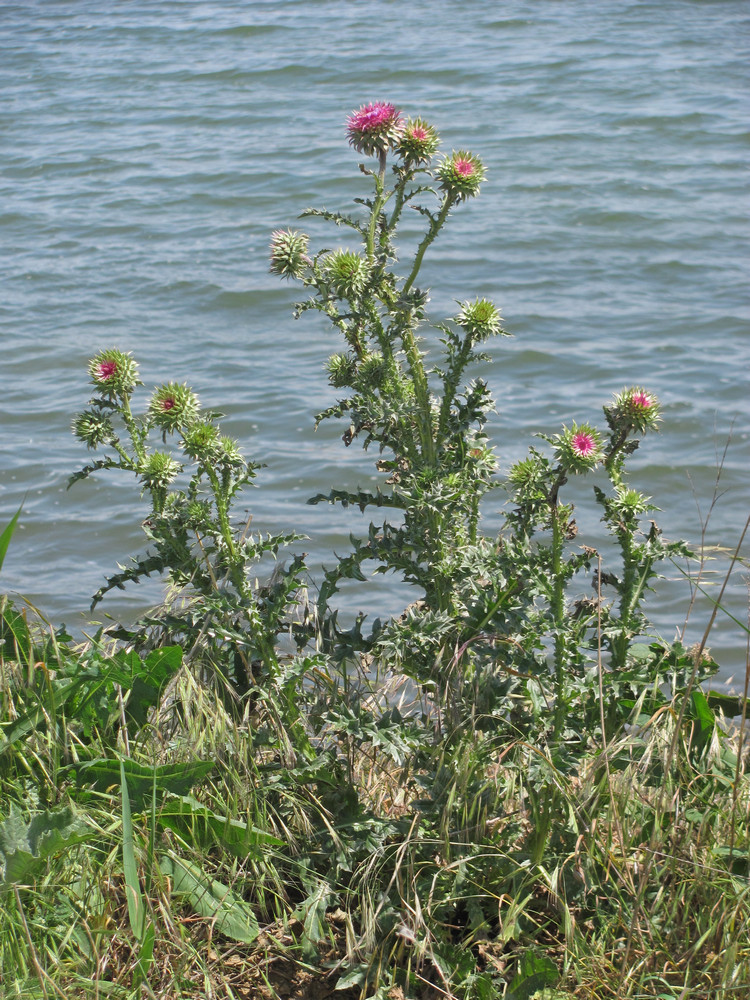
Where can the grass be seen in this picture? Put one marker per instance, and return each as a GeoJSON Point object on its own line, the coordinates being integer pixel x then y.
{"type": "Point", "coordinates": [394, 863]}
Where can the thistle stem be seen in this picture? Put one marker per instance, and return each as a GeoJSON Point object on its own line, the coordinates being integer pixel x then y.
{"type": "Point", "coordinates": [435, 226]}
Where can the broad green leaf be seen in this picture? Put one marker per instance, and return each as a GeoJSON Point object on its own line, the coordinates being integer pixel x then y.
{"type": "Point", "coordinates": [535, 972]}
{"type": "Point", "coordinates": [202, 827]}
{"type": "Point", "coordinates": [104, 773]}
{"type": "Point", "coordinates": [25, 846]}
{"type": "Point", "coordinates": [231, 916]}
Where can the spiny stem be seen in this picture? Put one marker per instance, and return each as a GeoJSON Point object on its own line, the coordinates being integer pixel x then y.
{"type": "Point", "coordinates": [435, 227]}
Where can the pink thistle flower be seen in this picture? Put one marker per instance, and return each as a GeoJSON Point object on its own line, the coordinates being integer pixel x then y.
{"type": "Point", "coordinates": [461, 175]}
{"type": "Point", "coordinates": [641, 399]}
{"type": "Point", "coordinates": [463, 167]}
{"type": "Point", "coordinates": [374, 128]}
{"type": "Point", "coordinates": [168, 403]}
{"type": "Point", "coordinates": [578, 449]}
{"type": "Point", "coordinates": [419, 140]}
{"type": "Point", "coordinates": [583, 444]}
{"type": "Point", "coordinates": [114, 373]}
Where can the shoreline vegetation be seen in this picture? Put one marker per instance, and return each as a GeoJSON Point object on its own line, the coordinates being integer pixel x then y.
{"type": "Point", "coordinates": [514, 789]}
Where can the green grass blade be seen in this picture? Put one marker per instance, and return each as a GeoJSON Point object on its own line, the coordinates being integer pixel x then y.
{"type": "Point", "coordinates": [7, 534]}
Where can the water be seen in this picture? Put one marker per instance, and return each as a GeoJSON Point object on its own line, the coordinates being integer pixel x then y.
{"type": "Point", "coordinates": [148, 149]}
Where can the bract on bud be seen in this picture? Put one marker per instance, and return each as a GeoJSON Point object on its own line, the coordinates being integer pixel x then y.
{"type": "Point", "coordinates": [579, 449]}
{"type": "Point", "coordinates": [347, 273]}
{"type": "Point", "coordinates": [200, 441]}
{"type": "Point", "coordinates": [160, 470]}
{"type": "Point", "coordinates": [461, 174]}
{"type": "Point", "coordinates": [173, 406]}
{"type": "Point", "coordinates": [481, 319]}
{"type": "Point", "coordinates": [418, 142]}
{"type": "Point", "coordinates": [342, 370]}
{"type": "Point", "coordinates": [114, 373]}
{"type": "Point", "coordinates": [635, 409]}
{"type": "Point", "coordinates": [374, 128]}
{"type": "Point", "coordinates": [93, 428]}
{"type": "Point", "coordinates": [289, 253]}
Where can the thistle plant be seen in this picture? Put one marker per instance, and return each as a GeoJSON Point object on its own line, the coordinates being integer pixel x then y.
{"type": "Point", "coordinates": [425, 418]}
{"type": "Point", "coordinates": [190, 474]}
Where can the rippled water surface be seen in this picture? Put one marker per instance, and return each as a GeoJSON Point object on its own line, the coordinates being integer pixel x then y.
{"type": "Point", "coordinates": [148, 149]}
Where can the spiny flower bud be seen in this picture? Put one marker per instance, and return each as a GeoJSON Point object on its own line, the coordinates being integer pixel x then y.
{"type": "Point", "coordinates": [173, 406]}
{"type": "Point", "coordinates": [160, 470]}
{"type": "Point", "coordinates": [200, 441]}
{"type": "Point", "coordinates": [373, 372]}
{"type": "Point", "coordinates": [342, 370]}
{"type": "Point", "coordinates": [114, 373]}
{"type": "Point", "coordinates": [579, 449]}
{"type": "Point", "coordinates": [480, 319]}
{"type": "Point", "coordinates": [419, 141]}
{"type": "Point", "coordinates": [289, 253]}
{"type": "Point", "coordinates": [634, 408]}
{"type": "Point", "coordinates": [347, 273]}
{"type": "Point", "coordinates": [374, 128]}
{"type": "Point", "coordinates": [460, 175]}
{"type": "Point", "coordinates": [229, 452]}
{"type": "Point", "coordinates": [93, 428]}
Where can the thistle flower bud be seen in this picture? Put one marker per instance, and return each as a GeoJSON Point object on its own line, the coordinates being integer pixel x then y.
{"type": "Point", "coordinates": [481, 319]}
{"type": "Point", "coordinates": [160, 470]}
{"type": "Point", "coordinates": [93, 428]}
{"type": "Point", "coordinates": [373, 372]}
{"type": "Point", "coordinates": [635, 409]}
{"type": "Point", "coordinates": [374, 128]}
{"type": "Point", "coordinates": [173, 406]}
{"type": "Point", "coordinates": [200, 441]}
{"type": "Point", "coordinates": [229, 453]}
{"type": "Point", "coordinates": [342, 370]}
{"type": "Point", "coordinates": [114, 373]}
{"type": "Point", "coordinates": [579, 449]}
{"type": "Point", "coordinates": [347, 273]}
{"type": "Point", "coordinates": [460, 175]}
{"type": "Point", "coordinates": [418, 142]}
{"type": "Point", "coordinates": [289, 253]}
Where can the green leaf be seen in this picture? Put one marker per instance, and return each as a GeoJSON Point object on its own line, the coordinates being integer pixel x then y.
{"type": "Point", "coordinates": [213, 900]}
{"type": "Point", "coordinates": [7, 534]}
{"type": "Point", "coordinates": [704, 716]}
{"type": "Point", "coordinates": [25, 846]}
{"type": "Point", "coordinates": [535, 972]}
{"type": "Point", "coordinates": [136, 907]}
{"type": "Point", "coordinates": [201, 827]}
{"type": "Point", "coordinates": [104, 773]}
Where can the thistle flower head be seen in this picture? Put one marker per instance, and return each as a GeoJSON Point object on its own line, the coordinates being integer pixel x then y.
{"type": "Point", "coordinates": [173, 406]}
{"type": "Point", "coordinates": [289, 253]}
{"type": "Point", "coordinates": [200, 440]}
{"type": "Point", "coordinates": [373, 372]}
{"type": "Point", "coordinates": [374, 128]}
{"type": "Point", "coordinates": [634, 408]}
{"type": "Point", "coordinates": [159, 470]}
{"type": "Point", "coordinates": [93, 428]}
{"type": "Point", "coordinates": [342, 370]}
{"type": "Point", "coordinates": [418, 142]}
{"type": "Point", "coordinates": [114, 373]}
{"type": "Point", "coordinates": [579, 449]}
{"type": "Point", "coordinates": [481, 319]}
{"type": "Point", "coordinates": [229, 453]}
{"type": "Point", "coordinates": [460, 175]}
{"type": "Point", "coordinates": [347, 273]}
